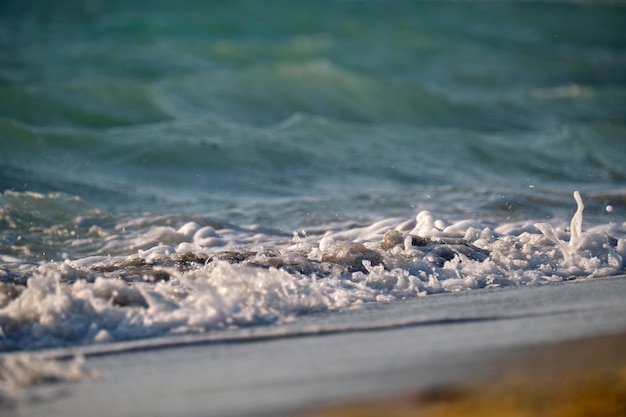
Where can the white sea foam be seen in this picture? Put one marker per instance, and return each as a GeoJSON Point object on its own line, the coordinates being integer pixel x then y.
{"type": "Point", "coordinates": [200, 278]}
{"type": "Point", "coordinates": [21, 373]}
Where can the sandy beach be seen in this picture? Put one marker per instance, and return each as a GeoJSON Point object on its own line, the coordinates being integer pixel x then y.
{"type": "Point", "coordinates": [585, 377]}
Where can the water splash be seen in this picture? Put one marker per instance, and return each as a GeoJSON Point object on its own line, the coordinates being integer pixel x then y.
{"type": "Point", "coordinates": [576, 226]}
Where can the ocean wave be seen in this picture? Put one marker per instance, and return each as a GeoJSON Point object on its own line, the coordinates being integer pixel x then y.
{"type": "Point", "coordinates": [94, 102]}
{"type": "Point", "coordinates": [269, 94]}
{"type": "Point", "coordinates": [203, 161]}
{"type": "Point", "coordinates": [200, 278]}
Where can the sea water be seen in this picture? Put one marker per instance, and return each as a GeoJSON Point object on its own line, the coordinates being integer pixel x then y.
{"type": "Point", "coordinates": [188, 169]}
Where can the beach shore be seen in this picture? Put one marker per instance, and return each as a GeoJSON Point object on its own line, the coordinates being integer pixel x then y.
{"type": "Point", "coordinates": [585, 377]}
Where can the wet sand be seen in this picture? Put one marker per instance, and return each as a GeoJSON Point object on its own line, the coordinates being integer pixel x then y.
{"type": "Point", "coordinates": [580, 378]}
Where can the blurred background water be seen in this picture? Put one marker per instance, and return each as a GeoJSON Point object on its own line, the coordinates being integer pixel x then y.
{"type": "Point", "coordinates": [292, 114]}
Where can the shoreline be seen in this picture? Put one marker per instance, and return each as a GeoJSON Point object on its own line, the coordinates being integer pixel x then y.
{"type": "Point", "coordinates": [577, 378]}
{"type": "Point", "coordinates": [402, 366]}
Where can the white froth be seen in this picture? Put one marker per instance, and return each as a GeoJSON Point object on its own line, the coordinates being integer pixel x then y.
{"type": "Point", "coordinates": [19, 372]}
{"type": "Point", "coordinates": [197, 279]}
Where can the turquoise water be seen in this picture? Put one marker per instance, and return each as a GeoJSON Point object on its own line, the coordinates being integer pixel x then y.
{"type": "Point", "coordinates": [191, 167]}
{"type": "Point", "coordinates": [291, 114]}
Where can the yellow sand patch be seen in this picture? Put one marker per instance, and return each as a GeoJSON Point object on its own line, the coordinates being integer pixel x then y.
{"type": "Point", "coordinates": [584, 378]}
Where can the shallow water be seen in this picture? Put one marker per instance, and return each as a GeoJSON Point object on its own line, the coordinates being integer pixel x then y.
{"type": "Point", "coordinates": [195, 169]}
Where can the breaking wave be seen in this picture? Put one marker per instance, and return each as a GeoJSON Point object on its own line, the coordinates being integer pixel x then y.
{"type": "Point", "coordinates": [199, 278]}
